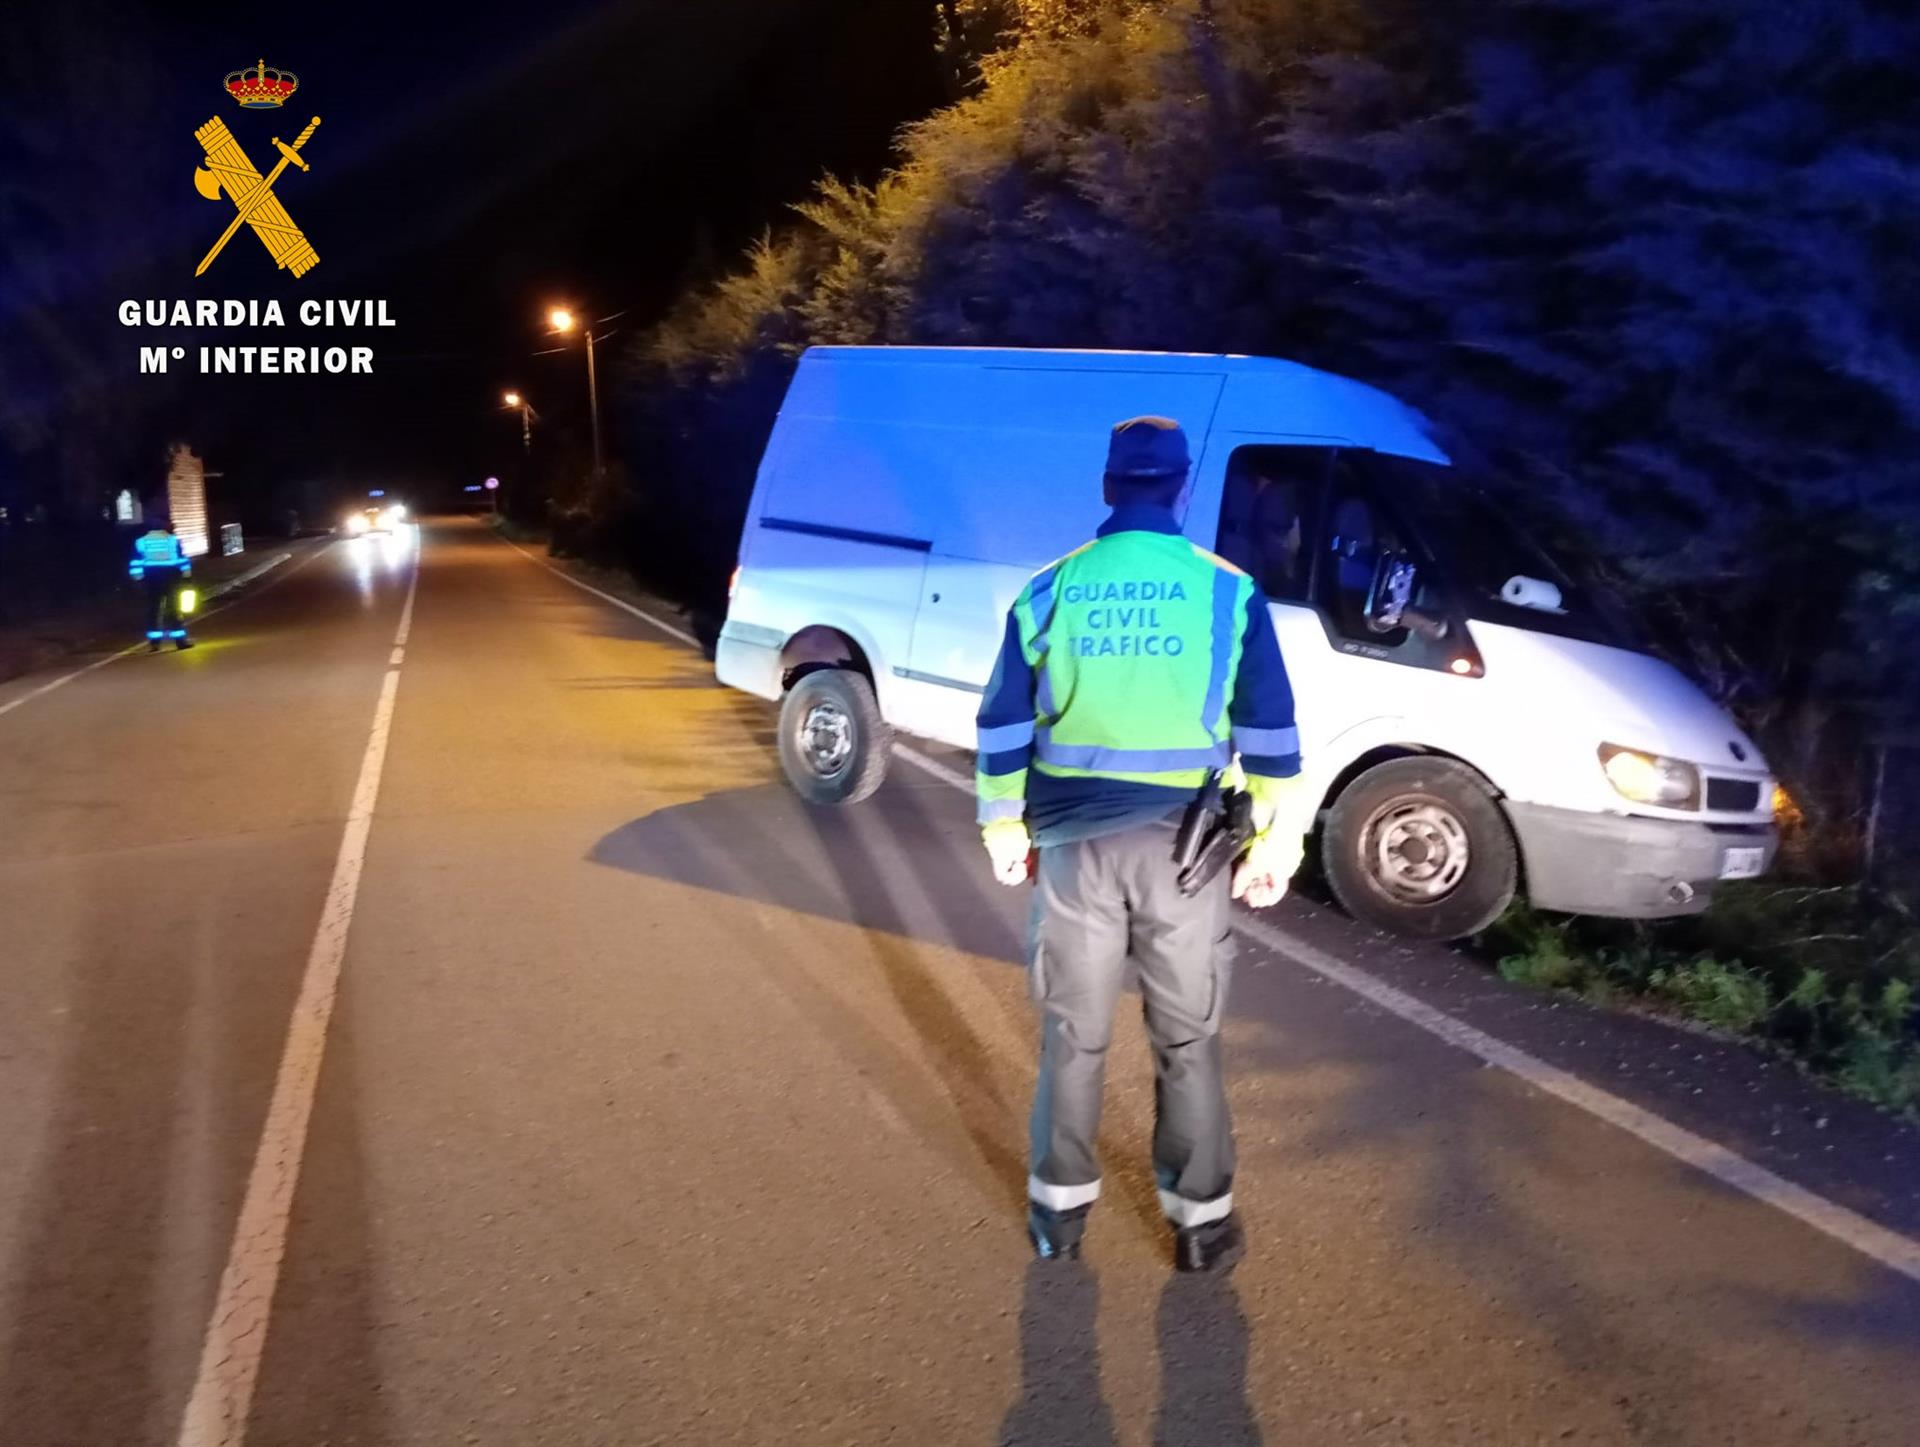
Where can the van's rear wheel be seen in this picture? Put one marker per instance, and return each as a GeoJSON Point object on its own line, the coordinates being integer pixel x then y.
{"type": "Point", "coordinates": [1419, 847]}
{"type": "Point", "coordinates": [833, 742]}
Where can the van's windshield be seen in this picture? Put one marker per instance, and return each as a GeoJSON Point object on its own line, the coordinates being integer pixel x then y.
{"type": "Point", "coordinates": [1479, 547]}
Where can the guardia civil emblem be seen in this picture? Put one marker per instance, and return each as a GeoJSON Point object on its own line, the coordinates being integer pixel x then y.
{"type": "Point", "coordinates": [230, 171]}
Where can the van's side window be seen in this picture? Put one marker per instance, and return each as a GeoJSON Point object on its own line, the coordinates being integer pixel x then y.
{"type": "Point", "coordinates": [1266, 515]}
{"type": "Point", "coordinates": [1360, 531]}
{"type": "Point", "coordinates": [1354, 543]}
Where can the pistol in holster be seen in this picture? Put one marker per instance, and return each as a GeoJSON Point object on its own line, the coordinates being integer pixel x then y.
{"type": "Point", "coordinates": [1215, 830]}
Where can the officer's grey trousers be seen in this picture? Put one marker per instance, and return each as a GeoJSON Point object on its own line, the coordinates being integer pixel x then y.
{"type": "Point", "coordinates": [1102, 904]}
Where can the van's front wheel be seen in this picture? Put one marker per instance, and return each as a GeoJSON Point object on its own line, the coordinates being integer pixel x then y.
{"type": "Point", "coordinates": [1419, 847]}
{"type": "Point", "coordinates": [833, 742]}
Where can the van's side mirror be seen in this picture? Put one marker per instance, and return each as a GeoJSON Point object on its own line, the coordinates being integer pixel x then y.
{"type": "Point", "coordinates": [1390, 599]}
{"type": "Point", "coordinates": [1394, 576]}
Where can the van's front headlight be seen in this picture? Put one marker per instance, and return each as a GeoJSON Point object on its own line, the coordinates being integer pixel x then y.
{"type": "Point", "coordinates": [1651, 778]}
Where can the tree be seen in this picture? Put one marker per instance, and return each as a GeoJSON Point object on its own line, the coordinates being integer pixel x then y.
{"type": "Point", "coordinates": [73, 428]}
{"type": "Point", "coordinates": [1652, 270]}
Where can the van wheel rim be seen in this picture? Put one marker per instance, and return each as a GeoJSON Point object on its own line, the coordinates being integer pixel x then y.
{"type": "Point", "coordinates": [826, 739]}
{"type": "Point", "coordinates": [1417, 849]}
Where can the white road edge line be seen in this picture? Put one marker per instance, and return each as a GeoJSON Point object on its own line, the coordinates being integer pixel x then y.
{"type": "Point", "coordinates": [46, 688]}
{"type": "Point", "coordinates": [217, 1411]}
{"type": "Point", "coordinates": [1849, 1228]}
{"type": "Point", "coordinates": [1896, 1252]}
{"type": "Point", "coordinates": [620, 603]}
{"type": "Point", "coordinates": [1869, 1238]}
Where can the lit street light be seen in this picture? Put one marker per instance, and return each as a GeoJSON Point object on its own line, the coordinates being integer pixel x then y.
{"type": "Point", "coordinates": [515, 400]}
{"type": "Point", "coordinates": [563, 321]}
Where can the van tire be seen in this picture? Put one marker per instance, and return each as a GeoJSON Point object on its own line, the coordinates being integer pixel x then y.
{"type": "Point", "coordinates": [834, 745]}
{"type": "Point", "coordinates": [1418, 847]}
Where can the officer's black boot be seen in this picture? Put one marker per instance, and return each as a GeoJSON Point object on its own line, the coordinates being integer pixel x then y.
{"type": "Point", "coordinates": [1056, 1234]}
{"type": "Point", "coordinates": [1216, 1246]}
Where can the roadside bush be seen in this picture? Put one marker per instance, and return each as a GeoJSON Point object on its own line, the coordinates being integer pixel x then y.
{"type": "Point", "coordinates": [1827, 976]}
{"type": "Point", "coordinates": [1728, 997]}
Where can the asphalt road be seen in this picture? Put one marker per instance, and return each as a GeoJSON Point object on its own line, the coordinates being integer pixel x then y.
{"type": "Point", "coordinates": [657, 1107]}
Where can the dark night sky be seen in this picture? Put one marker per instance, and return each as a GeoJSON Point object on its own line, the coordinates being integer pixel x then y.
{"type": "Point", "coordinates": [474, 163]}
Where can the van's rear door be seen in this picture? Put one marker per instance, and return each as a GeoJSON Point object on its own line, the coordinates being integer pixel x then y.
{"type": "Point", "coordinates": [1021, 487]}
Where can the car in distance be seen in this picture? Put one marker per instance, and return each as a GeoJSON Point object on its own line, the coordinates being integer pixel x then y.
{"type": "Point", "coordinates": [377, 517]}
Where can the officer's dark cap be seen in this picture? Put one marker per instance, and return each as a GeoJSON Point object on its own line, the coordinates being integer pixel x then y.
{"type": "Point", "coordinates": [1143, 449]}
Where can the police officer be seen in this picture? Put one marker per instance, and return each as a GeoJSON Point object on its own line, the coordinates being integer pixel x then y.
{"type": "Point", "coordinates": [161, 563]}
{"type": "Point", "coordinates": [1130, 669]}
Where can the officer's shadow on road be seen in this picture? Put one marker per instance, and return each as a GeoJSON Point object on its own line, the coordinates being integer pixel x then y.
{"type": "Point", "coordinates": [905, 867]}
{"type": "Point", "coordinates": [1203, 1343]}
{"type": "Point", "coordinates": [905, 873]}
{"type": "Point", "coordinates": [892, 864]}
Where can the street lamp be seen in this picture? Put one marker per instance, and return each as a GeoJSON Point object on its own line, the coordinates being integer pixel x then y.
{"type": "Point", "coordinates": [564, 321]}
{"type": "Point", "coordinates": [515, 400]}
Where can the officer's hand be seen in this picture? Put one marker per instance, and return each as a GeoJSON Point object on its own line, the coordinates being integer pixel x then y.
{"type": "Point", "coordinates": [1010, 847]}
{"type": "Point", "coordinates": [1262, 874]}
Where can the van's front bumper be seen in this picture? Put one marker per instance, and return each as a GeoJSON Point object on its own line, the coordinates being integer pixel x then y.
{"type": "Point", "coordinates": [1613, 864]}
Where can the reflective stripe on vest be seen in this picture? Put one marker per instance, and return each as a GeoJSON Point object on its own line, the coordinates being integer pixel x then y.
{"type": "Point", "coordinates": [1099, 760]}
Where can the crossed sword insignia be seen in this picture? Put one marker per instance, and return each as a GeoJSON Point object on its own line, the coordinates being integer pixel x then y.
{"type": "Point", "coordinates": [253, 198]}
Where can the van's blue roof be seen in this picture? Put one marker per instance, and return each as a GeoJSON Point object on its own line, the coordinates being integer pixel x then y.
{"type": "Point", "coordinates": [1092, 357]}
{"type": "Point", "coordinates": [1386, 422]}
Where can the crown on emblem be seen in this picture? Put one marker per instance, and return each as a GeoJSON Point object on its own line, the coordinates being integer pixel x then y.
{"type": "Point", "coordinates": [261, 87]}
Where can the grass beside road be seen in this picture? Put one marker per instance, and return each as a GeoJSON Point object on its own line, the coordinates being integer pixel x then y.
{"type": "Point", "coordinates": [1828, 975]}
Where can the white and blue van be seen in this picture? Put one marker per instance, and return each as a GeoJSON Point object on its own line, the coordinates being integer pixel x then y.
{"type": "Point", "coordinates": [1473, 723]}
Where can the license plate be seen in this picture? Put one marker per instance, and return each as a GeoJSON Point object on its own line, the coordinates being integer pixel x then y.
{"type": "Point", "coordinates": [1743, 863]}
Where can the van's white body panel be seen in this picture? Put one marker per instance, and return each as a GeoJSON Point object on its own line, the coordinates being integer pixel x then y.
{"type": "Point", "coordinates": [907, 494]}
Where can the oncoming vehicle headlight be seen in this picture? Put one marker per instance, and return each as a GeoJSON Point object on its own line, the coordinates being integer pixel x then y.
{"type": "Point", "coordinates": [356, 523]}
{"type": "Point", "coordinates": [1651, 778]}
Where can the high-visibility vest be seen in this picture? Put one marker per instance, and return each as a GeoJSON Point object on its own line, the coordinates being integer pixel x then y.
{"type": "Point", "coordinates": [157, 549]}
{"type": "Point", "coordinates": [1136, 640]}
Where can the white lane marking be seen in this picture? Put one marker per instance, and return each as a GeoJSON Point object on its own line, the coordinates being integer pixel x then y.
{"type": "Point", "coordinates": [216, 1414]}
{"type": "Point", "coordinates": [46, 688]}
{"type": "Point", "coordinates": [1891, 1249]}
{"type": "Point", "coordinates": [406, 611]}
{"type": "Point", "coordinates": [251, 573]}
{"type": "Point", "coordinates": [933, 766]}
{"type": "Point", "coordinates": [620, 603]}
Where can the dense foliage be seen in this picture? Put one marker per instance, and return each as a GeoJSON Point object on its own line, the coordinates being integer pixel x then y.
{"type": "Point", "coordinates": [1651, 268]}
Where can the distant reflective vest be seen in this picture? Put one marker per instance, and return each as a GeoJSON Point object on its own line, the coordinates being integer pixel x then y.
{"type": "Point", "coordinates": [157, 550]}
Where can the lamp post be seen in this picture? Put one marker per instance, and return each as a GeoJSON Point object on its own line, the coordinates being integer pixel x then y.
{"type": "Point", "coordinates": [515, 400]}
{"type": "Point", "coordinates": [563, 322]}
